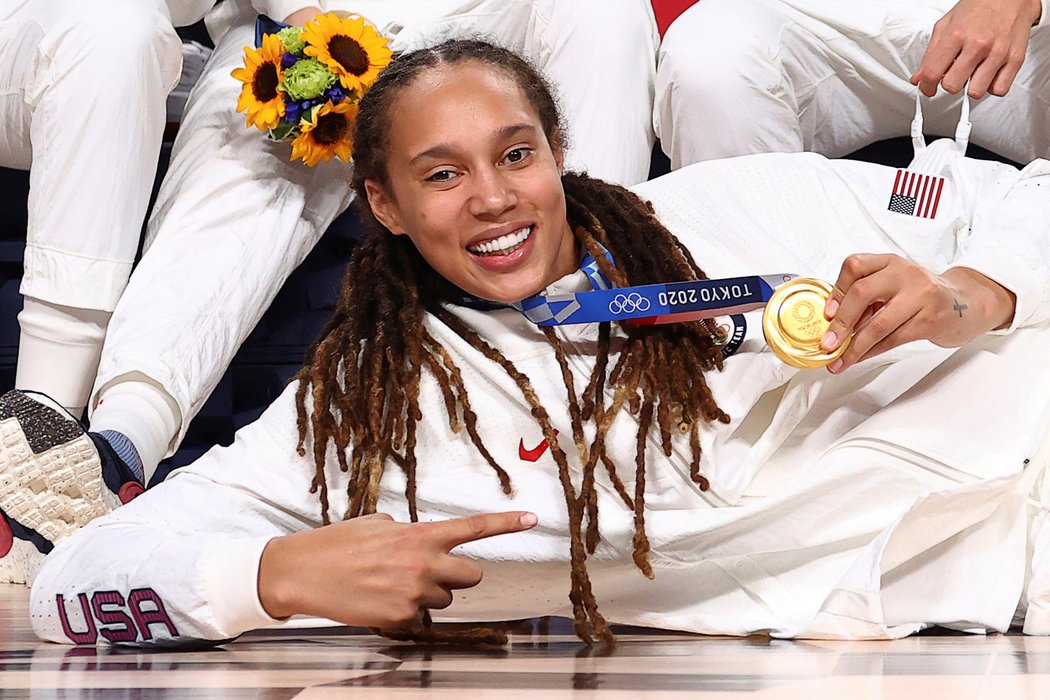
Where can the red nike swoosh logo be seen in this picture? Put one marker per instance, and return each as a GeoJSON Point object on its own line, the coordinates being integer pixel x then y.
{"type": "Point", "coordinates": [535, 453]}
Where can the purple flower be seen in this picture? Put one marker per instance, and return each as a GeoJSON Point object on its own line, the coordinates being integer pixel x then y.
{"type": "Point", "coordinates": [288, 60]}
{"type": "Point", "coordinates": [336, 94]}
{"type": "Point", "coordinates": [292, 112]}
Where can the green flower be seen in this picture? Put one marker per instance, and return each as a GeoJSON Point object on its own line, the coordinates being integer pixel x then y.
{"type": "Point", "coordinates": [292, 38]}
{"type": "Point", "coordinates": [307, 79]}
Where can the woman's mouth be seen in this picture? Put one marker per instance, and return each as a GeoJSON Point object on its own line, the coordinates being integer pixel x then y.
{"type": "Point", "coordinates": [504, 245]}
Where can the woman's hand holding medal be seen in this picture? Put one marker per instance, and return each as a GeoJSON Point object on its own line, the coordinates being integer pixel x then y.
{"type": "Point", "coordinates": [883, 301]}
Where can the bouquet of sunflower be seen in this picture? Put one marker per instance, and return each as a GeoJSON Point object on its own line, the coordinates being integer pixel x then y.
{"type": "Point", "coordinates": [303, 84]}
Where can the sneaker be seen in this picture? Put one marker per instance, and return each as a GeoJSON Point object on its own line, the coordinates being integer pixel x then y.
{"type": "Point", "coordinates": [21, 551]}
{"type": "Point", "coordinates": [54, 478]}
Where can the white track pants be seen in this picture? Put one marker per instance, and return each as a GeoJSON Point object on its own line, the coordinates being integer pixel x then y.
{"type": "Point", "coordinates": [752, 76]}
{"type": "Point", "coordinates": [235, 217]}
{"type": "Point", "coordinates": [82, 94]}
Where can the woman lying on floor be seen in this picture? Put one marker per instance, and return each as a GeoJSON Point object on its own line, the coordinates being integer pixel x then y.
{"type": "Point", "coordinates": [656, 479]}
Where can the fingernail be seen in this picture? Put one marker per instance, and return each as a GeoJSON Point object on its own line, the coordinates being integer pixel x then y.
{"type": "Point", "coordinates": [829, 341]}
{"type": "Point", "coordinates": [831, 308]}
{"type": "Point", "coordinates": [836, 367]}
{"type": "Point", "coordinates": [528, 519]}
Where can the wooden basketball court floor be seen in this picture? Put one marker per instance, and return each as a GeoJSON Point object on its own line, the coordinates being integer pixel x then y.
{"type": "Point", "coordinates": [543, 660]}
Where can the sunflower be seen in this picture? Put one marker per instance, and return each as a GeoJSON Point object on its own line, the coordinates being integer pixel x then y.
{"type": "Point", "coordinates": [262, 73]}
{"type": "Point", "coordinates": [329, 132]}
{"type": "Point", "coordinates": [353, 50]}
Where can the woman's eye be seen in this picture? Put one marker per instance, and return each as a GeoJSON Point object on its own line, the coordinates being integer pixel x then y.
{"type": "Point", "coordinates": [517, 155]}
{"type": "Point", "coordinates": [441, 176]}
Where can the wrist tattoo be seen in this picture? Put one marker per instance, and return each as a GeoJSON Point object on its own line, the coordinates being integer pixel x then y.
{"type": "Point", "coordinates": [959, 307]}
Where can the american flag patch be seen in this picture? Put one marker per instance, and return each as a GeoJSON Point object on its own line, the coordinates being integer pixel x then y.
{"type": "Point", "coordinates": [916, 194]}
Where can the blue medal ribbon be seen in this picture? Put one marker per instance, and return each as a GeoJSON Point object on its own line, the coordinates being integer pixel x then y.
{"type": "Point", "coordinates": [650, 304]}
{"type": "Point", "coordinates": [654, 303]}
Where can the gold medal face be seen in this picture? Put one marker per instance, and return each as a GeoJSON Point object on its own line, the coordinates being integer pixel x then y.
{"type": "Point", "coordinates": [794, 323]}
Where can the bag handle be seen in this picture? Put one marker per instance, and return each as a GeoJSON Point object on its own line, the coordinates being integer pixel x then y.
{"type": "Point", "coordinates": [962, 129]}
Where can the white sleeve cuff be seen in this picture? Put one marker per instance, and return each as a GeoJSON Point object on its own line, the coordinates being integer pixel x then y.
{"type": "Point", "coordinates": [1007, 268]}
{"type": "Point", "coordinates": [229, 570]}
{"type": "Point", "coordinates": [1044, 19]}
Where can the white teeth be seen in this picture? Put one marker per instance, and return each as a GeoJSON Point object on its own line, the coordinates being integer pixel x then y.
{"type": "Point", "coordinates": [503, 244]}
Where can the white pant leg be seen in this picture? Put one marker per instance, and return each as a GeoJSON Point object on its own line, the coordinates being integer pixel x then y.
{"type": "Point", "coordinates": [599, 56]}
{"type": "Point", "coordinates": [748, 76]}
{"type": "Point", "coordinates": [233, 218]}
{"type": "Point", "coordinates": [1018, 125]}
{"type": "Point", "coordinates": [17, 40]}
{"type": "Point", "coordinates": [82, 94]}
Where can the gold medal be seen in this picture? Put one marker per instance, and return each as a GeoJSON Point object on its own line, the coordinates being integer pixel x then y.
{"type": "Point", "coordinates": [794, 323]}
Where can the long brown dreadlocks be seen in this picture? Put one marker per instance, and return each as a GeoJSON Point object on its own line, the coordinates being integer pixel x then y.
{"type": "Point", "coordinates": [362, 376]}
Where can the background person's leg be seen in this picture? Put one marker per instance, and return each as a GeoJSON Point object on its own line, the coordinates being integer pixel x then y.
{"type": "Point", "coordinates": [93, 81]}
{"type": "Point", "coordinates": [233, 218]}
{"type": "Point", "coordinates": [58, 351]}
{"type": "Point", "coordinates": [752, 76]}
{"type": "Point", "coordinates": [599, 56]}
{"type": "Point", "coordinates": [1017, 126]}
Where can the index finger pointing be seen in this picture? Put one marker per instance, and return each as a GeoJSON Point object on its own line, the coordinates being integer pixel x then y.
{"type": "Point", "coordinates": [452, 533]}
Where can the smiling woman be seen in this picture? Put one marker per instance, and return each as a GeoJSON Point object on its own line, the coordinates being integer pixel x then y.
{"type": "Point", "coordinates": [476, 185]}
{"type": "Point", "coordinates": [862, 503]}
{"type": "Point", "coordinates": [477, 188]}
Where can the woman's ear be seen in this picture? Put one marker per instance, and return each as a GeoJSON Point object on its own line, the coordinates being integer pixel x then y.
{"type": "Point", "coordinates": [383, 207]}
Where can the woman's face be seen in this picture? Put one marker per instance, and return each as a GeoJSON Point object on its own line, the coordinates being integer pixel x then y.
{"type": "Point", "coordinates": [475, 184]}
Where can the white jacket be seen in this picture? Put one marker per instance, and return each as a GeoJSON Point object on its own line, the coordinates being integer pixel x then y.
{"type": "Point", "coordinates": [823, 487]}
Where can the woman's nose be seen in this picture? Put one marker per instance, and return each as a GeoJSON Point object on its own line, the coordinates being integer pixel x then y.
{"type": "Point", "coordinates": [492, 195]}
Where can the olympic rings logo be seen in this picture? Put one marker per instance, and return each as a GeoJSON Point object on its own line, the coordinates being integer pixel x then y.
{"type": "Point", "coordinates": [628, 303]}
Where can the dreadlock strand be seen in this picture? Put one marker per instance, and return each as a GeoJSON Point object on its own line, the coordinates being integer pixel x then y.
{"type": "Point", "coordinates": [411, 419]}
{"type": "Point", "coordinates": [410, 468]}
{"type": "Point", "coordinates": [374, 469]}
{"type": "Point", "coordinates": [617, 482]}
{"type": "Point", "coordinates": [438, 372]}
{"type": "Point", "coordinates": [300, 417]}
{"type": "Point", "coordinates": [641, 540]}
{"type": "Point", "coordinates": [694, 463]}
{"type": "Point", "coordinates": [570, 389]}
{"type": "Point", "coordinates": [598, 452]}
{"type": "Point", "coordinates": [596, 386]}
{"type": "Point", "coordinates": [470, 419]}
